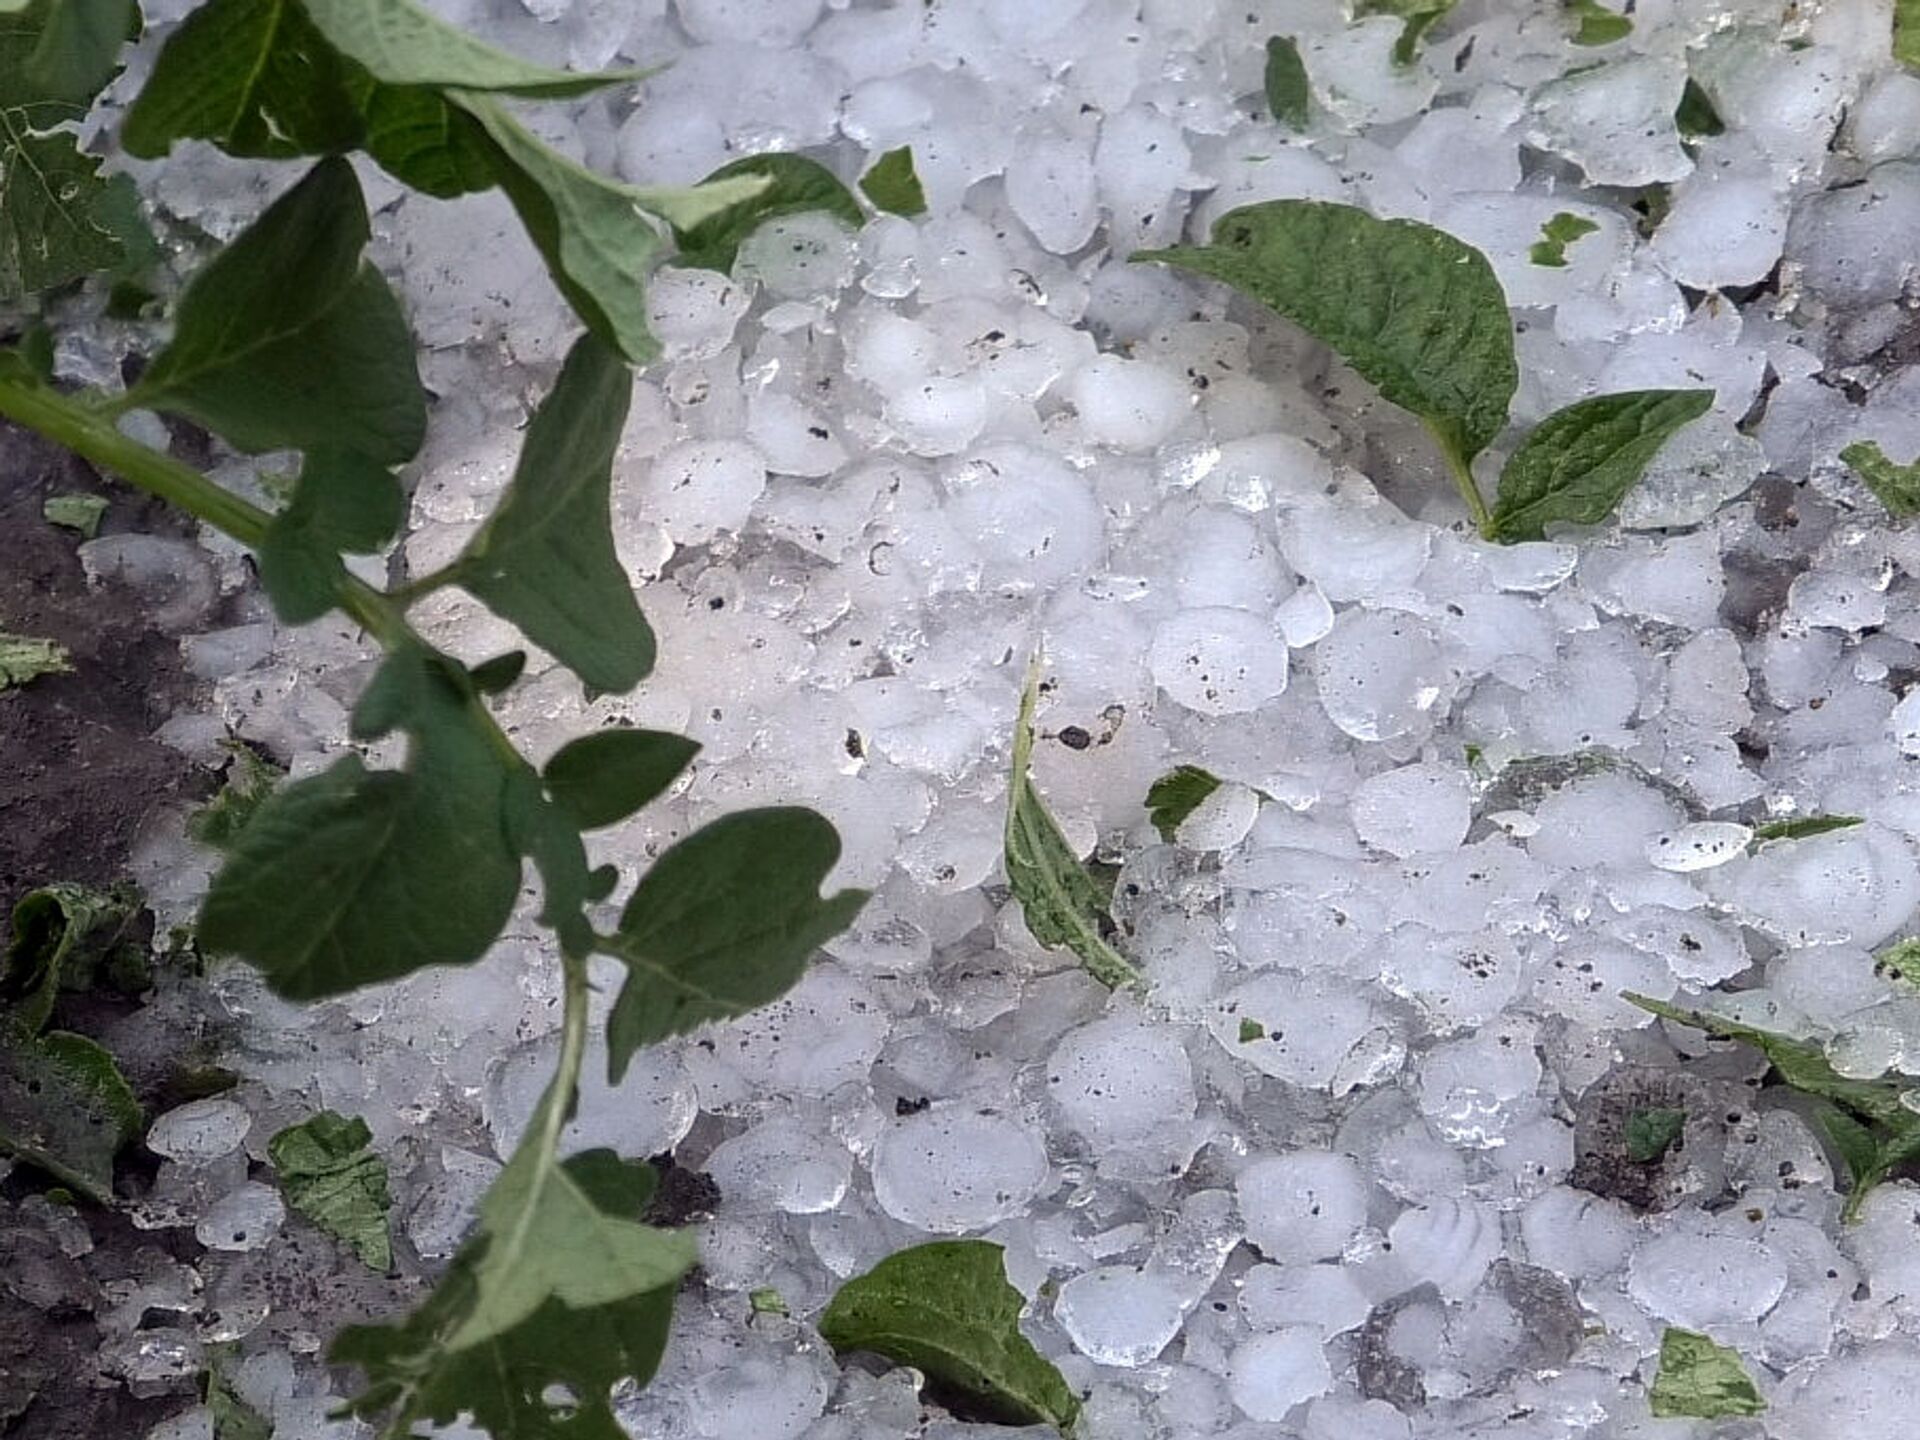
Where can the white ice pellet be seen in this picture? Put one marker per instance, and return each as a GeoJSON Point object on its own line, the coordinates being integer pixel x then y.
{"type": "Point", "coordinates": [1219, 661]}
{"type": "Point", "coordinates": [1317, 1031]}
{"type": "Point", "coordinates": [1414, 809]}
{"type": "Point", "coordinates": [780, 1165]}
{"type": "Point", "coordinates": [939, 414]}
{"type": "Point", "coordinates": [1727, 226]}
{"type": "Point", "coordinates": [701, 488]}
{"type": "Point", "coordinates": [1222, 820]}
{"type": "Point", "coordinates": [1615, 120]}
{"type": "Point", "coordinates": [245, 1218]}
{"type": "Point", "coordinates": [1052, 189]}
{"type": "Point", "coordinates": [1030, 517]}
{"type": "Point", "coordinates": [1855, 886]}
{"type": "Point", "coordinates": [1325, 1296]}
{"type": "Point", "coordinates": [1120, 1314]}
{"type": "Point", "coordinates": [1449, 1242]}
{"type": "Point", "coordinates": [1128, 404]}
{"type": "Point", "coordinates": [1457, 979]}
{"type": "Point", "coordinates": [1121, 1082]}
{"type": "Point", "coordinates": [1698, 846]}
{"type": "Point", "coordinates": [1381, 674]}
{"type": "Point", "coordinates": [1574, 1234]}
{"type": "Point", "coordinates": [693, 311]}
{"type": "Point", "coordinates": [1305, 1205]}
{"type": "Point", "coordinates": [1904, 724]}
{"type": "Point", "coordinates": [1705, 1280]}
{"type": "Point", "coordinates": [199, 1131]}
{"type": "Point", "coordinates": [1272, 1373]}
{"type": "Point", "coordinates": [760, 22]}
{"type": "Point", "coordinates": [954, 1170]}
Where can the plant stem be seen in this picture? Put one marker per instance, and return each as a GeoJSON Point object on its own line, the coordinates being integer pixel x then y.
{"type": "Point", "coordinates": [404, 595]}
{"type": "Point", "coordinates": [1462, 471]}
{"type": "Point", "coordinates": [90, 433]}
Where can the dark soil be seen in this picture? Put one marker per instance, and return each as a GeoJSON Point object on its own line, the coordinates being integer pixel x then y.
{"type": "Point", "coordinates": [79, 773]}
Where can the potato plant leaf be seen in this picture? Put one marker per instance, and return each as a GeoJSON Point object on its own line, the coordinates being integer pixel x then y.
{"type": "Point", "coordinates": [79, 50]}
{"type": "Point", "coordinates": [1415, 311]}
{"type": "Point", "coordinates": [1694, 116]}
{"type": "Point", "coordinates": [795, 184]}
{"type": "Point", "coordinates": [1419, 15]}
{"type": "Point", "coordinates": [1289, 97]}
{"type": "Point", "coordinates": [401, 42]}
{"type": "Point", "coordinates": [250, 779]}
{"type": "Point", "coordinates": [1176, 795]}
{"type": "Point", "coordinates": [1575, 466]}
{"type": "Point", "coordinates": [288, 339]}
{"type": "Point", "coordinates": [1802, 827]}
{"type": "Point", "coordinates": [61, 935]}
{"type": "Point", "coordinates": [1595, 24]}
{"type": "Point", "coordinates": [1651, 1133]}
{"type": "Point", "coordinates": [545, 558]}
{"type": "Point", "coordinates": [602, 778]}
{"type": "Point", "coordinates": [506, 1382]}
{"type": "Point", "coordinates": [1899, 964]}
{"type": "Point", "coordinates": [232, 1417]}
{"type": "Point", "coordinates": [27, 657]}
{"type": "Point", "coordinates": [343, 501]}
{"type": "Point", "coordinates": [81, 513]}
{"type": "Point", "coordinates": [354, 876]}
{"type": "Point", "coordinates": [1906, 33]}
{"type": "Point", "coordinates": [1062, 903]}
{"type": "Point", "coordinates": [1560, 231]}
{"type": "Point", "coordinates": [254, 77]}
{"type": "Point", "coordinates": [1700, 1379]}
{"type": "Point", "coordinates": [893, 186]}
{"type": "Point", "coordinates": [1895, 486]}
{"type": "Point", "coordinates": [331, 1174]}
{"type": "Point", "coordinates": [947, 1309]}
{"type": "Point", "coordinates": [724, 922]}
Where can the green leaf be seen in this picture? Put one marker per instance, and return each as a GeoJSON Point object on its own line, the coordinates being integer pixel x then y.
{"type": "Point", "coordinates": [61, 935]}
{"type": "Point", "coordinates": [425, 141]}
{"type": "Point", "coordinates": [946, 1309]}
{"type": "Point", "coordinates": [1695, 117]}
{"type": "Point", "coordinates": [1559, 232]}
{"type": "Point", "coordinates": [403, 43]}
{"type": "Point", "coordinates": [1251, 1030]}
{"type": "Point", "coordinates": [1575, 466]}
{"type": "Point", "coordinates": [24, 658]}
{"type": "Point", "coordinates": [1899, 963]}
{"type": "Point", "coordinates": [288, 339]}
{"type": "Point", "coordinates": [253, 77]}
{"type": "Point", "coordinates": [415, 1373]}
{"type": "Point", "coordinates": [797, 184]}
{"type": "Point", "coordinates": [75, 512]}
{"type": "Point", "coordinates": [893, 186]}
{"type": "Point", "coordinates": [1176, 795]}
{"type": "Point", "coordinates": [1700, 1379]}
{"type": "Point", "coordinates": [1062, 903]}
{"type": "Point", "coordinates": [79, 50]}
{"type": "Point", "coordinates": [1802, 827]}
{"type": "Point", "coordinates": [232, 1417]}
{"type": "Point", "coordinates": [1652, 1133]}
{"type": "Point", "coordinates": [355, 876]}
{"type": "Point", "coordinates": [1906, 32]}
{"type": "Point", "coordinates": [1420, 16]}
{"type": "Point", "coordinates": [602, 778]}
{"type": "Point", "coordinates": [1595, 24]}
{"type": "Point", "coordinates": [331, 1175]}
{"type": "Point", "coordinates": [344, 501]}
{"type": "Point", "coordinates": [1414, 310]}
{"type": "Point", "coordinates": [1860, 1150]}
{"type": "Point", "coordinates": [1895, 486]}
{"type": "Point", "coordinates": [767, 1301]}
{"type": "Point", "coordinates": [250, 779]}
{"type": "Point", "coordinates": [1289, 97]}
{"type": "Point", "coordinates": [724, 922]}
{"type": "Point", "coordinates": [490, 677]}
{"type": "Point", "coordinates": [64, 1106]}
{"type": "Point", "coordinates": [545, 558]}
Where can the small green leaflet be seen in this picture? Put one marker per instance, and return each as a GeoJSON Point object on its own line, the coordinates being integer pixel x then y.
{"type": "Point", "coordinates": [1651, 1133]}
{"type": "Point", "coordinates": [353, 876]}
{"type": "Point", "coordinates": [893, 186]}
{"type": "Point", "coordinates": [1420, 16]}
{"type": "Point", "coordinates": [1906, 33]}
{"type": "Point", "coordinates": [1899, 963]}
{"type": "Point", "coordinates": [545, 558]}
{"type": "Point", "coordinates": [332, 1176]}
{"type": "Point", "coordinates": [24, 658]}
{"type": "Point", "coordinates": [724, 922]}
{"type": "Point", "coordinates": [1802, 827]}
{"type": "Point", "coordinates": [1251, 1030]}
{"type": "Point", "coordinates": [1559, 232]}
{"type": "Point", "coordinates": [1575, 466]}
{"type": "Point", "coordinates": [602, 778]}
{"type": "Point", "coordinates": [1414, 310]}
{"type": "Point", "coordinates": [75, 512]}
{"type": "Point", "coordinates": [1868, 1121]}
{"type": "Point", "coordinates": [1895, 486]}
{"type": "Point", "coordinates": [415, 1373]}
{"type": "Point", "coordinates": [1695, 117]}
{"type": "Point", "coordinates": [1176, 795]}
{"type": "Point", "coordinates": [490, 677]}
{"type": "Point", "coordinates": [233, 1418]}
{"type": "Point", "coordinates": [288, 339]}
{"type": "Point", "coordinates": [252, 76]}
{"type": "Point", "coordinates": [1595, 24]}
{"type": "Point", "coordinates": [795, 184]}
{"type": "Point", "coordinates": [343, 501]}
{"type": "Point", "coordinates": [1289, 97]}
{"type": "Point", "coordinates": [1700, 1379]}
{"type": "Point", "coordinates": [404, 43]}
{"type": "Point", "coordinates": [946, 1309]}
{"type": "Point", "coordinates": [767, 1301]}
{"type": "Point", "coordinates": [1062, 903]}
{"type": "Point", "coordinates": [250, 779]}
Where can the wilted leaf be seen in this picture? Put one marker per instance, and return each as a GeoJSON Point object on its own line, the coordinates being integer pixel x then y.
{"type": "Point", "coordinates": [1895, 486]}
{"type": "Point", "coordinates": [1419, 15]}
{"type": "Point", "coordinates": [1289, 97]}
{"type": "Point", "coordinates": [62, 934]}
{"type": "Point", "coordinates": [946, 1309]}
{"type": "Point", "coordinates": [331, 1174]}
{"type": "Point", "coordinates": [1701, 1379]}
{"type": "Point", "coordinates": [75, 512]}
{"type": "Point", "coordinates": [250, 779]}
{"type": "Point", "coordinates": [64, 1106]}
{"type": "Point", "coordinates": [1802, 827]}
{"type": "Point", "coordinates": [24, 658]}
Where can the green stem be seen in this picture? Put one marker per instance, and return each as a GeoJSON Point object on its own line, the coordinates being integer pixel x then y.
{"type": "Point", "coordinates": [405, 595]}
{"type": "Point", "coordinates": [89, 432]}
{"type": "Point", "coordinates": [1462, 471]}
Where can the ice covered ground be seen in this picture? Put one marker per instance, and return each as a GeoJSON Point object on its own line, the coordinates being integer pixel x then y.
{"type": "Point", "coordinates": [874, 472]}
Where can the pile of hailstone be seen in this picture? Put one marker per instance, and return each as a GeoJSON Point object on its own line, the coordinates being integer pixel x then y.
{"type": "Point", "coordinates": [876, 471]}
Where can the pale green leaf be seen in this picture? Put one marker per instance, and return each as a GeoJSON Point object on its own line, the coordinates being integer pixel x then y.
{"type": "Point", "coordinates": [1063, 904]}
{"type": "Point", "coordinates": [724, 922]}
{"type": "Point", "coordinates": [947, 1309]}
{"type": "Point", "coordinates": [1289, 97]}
{"type": "Point", "coordinates": [1595, 24]}
{"type": "Point", "coordinates": [893, 186]}
{"type": "Point", "coordinates": [288, 339]}
{"type": "Point", "coordinates": [1419, 15]}
{"type": "Point", "coordinates": [1700, 1379]}
{"type": "Point", "coordinates": [1895, 486]}
{"type": "Point", "coordinates": [1575, 466]}
{"type": "Point", "coordinates": [24, 658]}
{"type": "Point", "coordinates": [331, 1174]}
{"type": "Point", "coordinates": [1560, 231]}
{"type": "Point", "coordinates": [602, 778]}
{"type": "Point", "coordinates": [400, 42]}
{"type": "Point", "coordinates": [250, 779]}
{"type": "Point", "coordinates": [1176, 795]}
{"type": "Point", "coordinates": [545, 558]}
{"type": "Point", "coordinates": [1906, 33]}
{"type": "Point", "coordinates": [75, 512]}
{"type": "Point", "coordinates": [1414, 310]}
{"type": "Point", "coordinates": [1802, 827]}
{"type": "Point", "coordinates": [1899, 963]}
{"type": "Point", "coordinates": [794, 185]}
